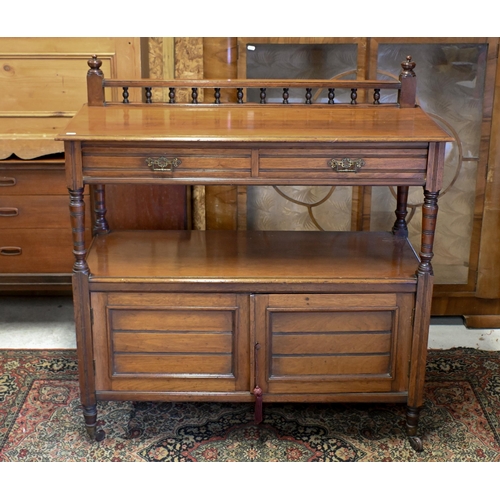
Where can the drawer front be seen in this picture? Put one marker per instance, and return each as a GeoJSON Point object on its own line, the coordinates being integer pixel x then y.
{"type": "Point", "coordinates": [334, 343]}
{"type": "Point", "coordinates": [154, 163]}
{"type": "Point", "coordinates": [346, 166]}
{"type": "Point", "coordinates": [171, 343]}
{"type": "Point", "coordinates": [43, 251]}
{"type": "Point", "coordinates": [32, 182]}
{"type": "Point", "coordinates": [48, 212]}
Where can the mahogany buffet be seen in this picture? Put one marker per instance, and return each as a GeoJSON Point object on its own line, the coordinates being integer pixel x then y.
{"type": "Point", "coordinates": [253, 316]}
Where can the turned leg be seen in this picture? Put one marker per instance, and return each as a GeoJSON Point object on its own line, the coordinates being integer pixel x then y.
{"type": "Point", "coordinates": [412, 417]}
{"type": "Point", "coordinates": [418, 358]}
{"type": "Point", "coordinates": [90, 416]}
{"type": "Point", "coordinates": [425, 280]}
{"type": "Point", "coordinates": [83, 326]}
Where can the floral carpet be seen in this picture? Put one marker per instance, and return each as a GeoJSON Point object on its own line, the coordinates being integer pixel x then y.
{"type": "Point", "coordinates": [41, 420]}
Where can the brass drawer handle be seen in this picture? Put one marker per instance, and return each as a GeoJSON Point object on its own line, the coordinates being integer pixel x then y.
{"type": "Point", "coordinates": [163, 164]}
{"type": "Point", "coordinates": [9, 212]}
{"type": "Point", "coordinates": [7, 181]}
{"type": "Point", "coordinates": [10, 251]}
{"type": "Point", "coordinates": [347, 165]}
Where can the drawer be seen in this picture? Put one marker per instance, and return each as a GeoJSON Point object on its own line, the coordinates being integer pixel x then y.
{"type": "Point", "coordinates": [346, 165]}
{"type": "Point", "coordinates": [23, 212]}
{"type": "Point", "coordinates": [32, 182]}
{"type": "Point", "coordinates": [151, 162]}
{"type": "Point", "coordinates": [42, 251]}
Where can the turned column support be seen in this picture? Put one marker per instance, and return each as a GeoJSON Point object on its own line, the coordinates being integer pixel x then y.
{"type": "Point", "coordinates": [429, 217]}
{"type": "Point", "coordinates": [400, 227]}
{"type": "Point", "coordinates": [101, 224]}
{"type": "Point", "coordinates": [77, 214]}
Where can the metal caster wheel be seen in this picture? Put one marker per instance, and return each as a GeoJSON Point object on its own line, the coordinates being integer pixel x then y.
{"type": "Point", "coordinates": [96, 435]}
{"type": "Point", "coordinates": [416, 443]}
{"type": "Point", "coordinates": [100, 435]}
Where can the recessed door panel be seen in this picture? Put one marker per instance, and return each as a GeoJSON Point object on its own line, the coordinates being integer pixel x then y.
{"type": "Point", "coordinates": [333, 343]}
{"type": "Point", "coordinates": [165, 342]}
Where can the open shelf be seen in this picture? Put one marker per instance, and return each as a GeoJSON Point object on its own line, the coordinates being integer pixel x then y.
{"type": "Point", "coordinates": [256, 256]}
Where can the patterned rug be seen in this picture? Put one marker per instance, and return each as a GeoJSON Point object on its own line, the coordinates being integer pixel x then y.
{"type": "Point", "coordinates": [41, 420]}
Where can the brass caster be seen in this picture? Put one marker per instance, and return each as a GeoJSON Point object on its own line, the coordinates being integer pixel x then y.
{"type": "Point", "coordinates": [95, 435]}
{"type": "Point", "coordinates": [100, 435]}
{"type": "Point", "coordinates": [416, 443]}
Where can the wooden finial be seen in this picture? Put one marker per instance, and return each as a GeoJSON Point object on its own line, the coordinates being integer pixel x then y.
{"type": "Point", "coordinates": [95, 77]}
{"type": "Point", "coordinates": [95, 64]}
{"type": "Point", "coordinates": [408, 67]}
{"type": "Point", "coordinates": [407, 95]}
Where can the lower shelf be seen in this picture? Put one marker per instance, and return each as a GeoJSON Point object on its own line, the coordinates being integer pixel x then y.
{"type": "Point", "coordinates": [256, 257]}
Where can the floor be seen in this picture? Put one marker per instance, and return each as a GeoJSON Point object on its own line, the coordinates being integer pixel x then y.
{"type": "Point", "coordinates": [47, 323]}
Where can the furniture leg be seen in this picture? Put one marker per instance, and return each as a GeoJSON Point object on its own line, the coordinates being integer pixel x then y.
{"type": "Point", "coordinates": [90, 415]}
{"type": "Point", "coordinates": [412, 417]}
{"type": "Point", "coordinates": [82, 314]}
{"type": "Point", "coordinates": [83, 327]}
{"type": "Point", "coordinates": [425, 280]}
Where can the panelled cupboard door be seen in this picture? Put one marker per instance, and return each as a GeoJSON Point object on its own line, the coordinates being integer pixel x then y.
{"type": "Point", "coordinates": [170, 343]}
{"type": "Point", "coordinates": [327, 344]}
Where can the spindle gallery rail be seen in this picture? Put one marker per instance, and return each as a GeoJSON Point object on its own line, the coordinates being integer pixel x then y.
{"type": "Point", "coordinates": [406, 87]}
